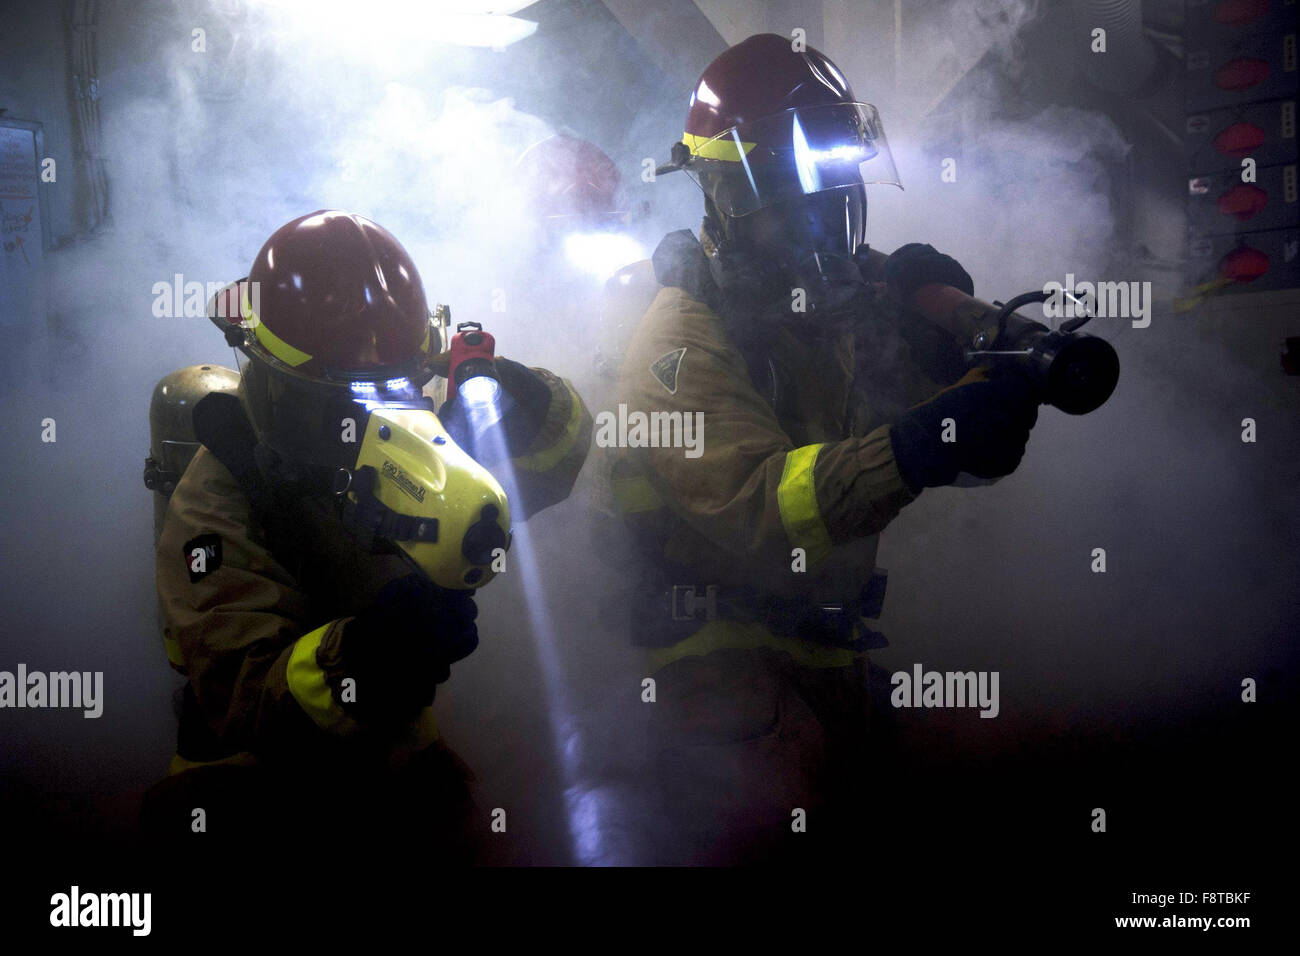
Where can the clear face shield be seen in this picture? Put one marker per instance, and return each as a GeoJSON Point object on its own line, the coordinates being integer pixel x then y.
{"type": "Point", "coordinates": [791, 188]}
{"type": "Point", "coordinates": [314, 422]}
{"type": "Point", "coordinates": [791, 155]}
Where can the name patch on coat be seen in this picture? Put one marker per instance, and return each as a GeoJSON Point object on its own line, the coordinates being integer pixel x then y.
{"type": "Point", "coordinates": [202, 556]}
{"type": "Point", "coordinates": [666, 367]}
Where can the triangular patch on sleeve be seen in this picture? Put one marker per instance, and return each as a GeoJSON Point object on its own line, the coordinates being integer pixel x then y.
{"type": "Point", "coordinates": [665, 369]}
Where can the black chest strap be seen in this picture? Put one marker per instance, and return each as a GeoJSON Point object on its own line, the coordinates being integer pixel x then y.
{"type": "Point", "coordinates": [679, 262]}
{"type": "Point", "coordinates": [221, 426]}
{"type": "Point", "coordinates": [275, 491]}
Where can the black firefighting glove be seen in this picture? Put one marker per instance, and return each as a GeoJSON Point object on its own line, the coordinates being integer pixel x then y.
{"type": "Point", "coordinates": [990, 422]}
{"type": "Point", "coordinates": [401, 647]}
{"type": "Point", "coordinates": [916, 264]}
{"type": "Point", "coordinates": [524, 405]}
{"type": "Point", "coordinates": [529, 400]}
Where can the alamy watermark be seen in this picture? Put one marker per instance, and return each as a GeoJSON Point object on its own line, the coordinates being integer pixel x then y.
{"type": "Point", "coordinates": [1122, 300]}
{"type": "Point", "coordinates": [179, 299]}
{"type": "Point", "coordinates": [922, 688]}
{"type": "Point", "coordinates": [637, 429]}
{"type": "Point", "coordinates": [76, 908]}
{"type": "Point", "coordinates": [56, 689]}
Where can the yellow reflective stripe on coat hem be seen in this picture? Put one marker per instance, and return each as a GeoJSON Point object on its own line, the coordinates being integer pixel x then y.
{"type": "Point", "coordinates": [181, 764]}
{"type": "Point", "coordinates": [549, 457]}
{"type": "Point", "coordinates": [736, 635]}
{"type": "Point", "coordinates": [796, 498]}
{"type": "Point", "coordinates": [307, 685]}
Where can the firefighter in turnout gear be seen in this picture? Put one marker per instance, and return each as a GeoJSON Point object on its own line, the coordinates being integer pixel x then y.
{"type": "Point", "coordinates": [317, 563]}
{"type": "Point", "coordinates": [823, 401]}
{"type": "Point", "coordinates": [586, 235]}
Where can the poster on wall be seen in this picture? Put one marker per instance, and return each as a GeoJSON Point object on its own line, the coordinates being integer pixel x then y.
{"type": "Point", "coordinates": [22, 278]}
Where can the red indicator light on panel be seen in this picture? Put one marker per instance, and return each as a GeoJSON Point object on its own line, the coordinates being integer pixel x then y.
{"type": "Point", "coordinates": [1240, 139]}
{"type": "Point", "coordinates": [1241, 74]}
{"type": "Point", "coordinates": [1242, 201]}
{"type": "Point", "coordinates": [1243, 264]}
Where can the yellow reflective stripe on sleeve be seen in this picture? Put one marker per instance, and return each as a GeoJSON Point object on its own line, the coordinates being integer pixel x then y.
{"type": "Point", "coordinates": [308, 687]}
{"type": "Point", "coordinates": [796, 498]}
{"type": "Point", "coordinates": [634, 495]}
{"type": "Point", "coordinates": [724, 147]}
{"type": "Point", "coordinates": [549, 457]}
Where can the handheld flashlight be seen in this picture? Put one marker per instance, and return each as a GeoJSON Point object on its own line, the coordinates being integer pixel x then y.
{"type": "Point", "coordinates": [471, 371]}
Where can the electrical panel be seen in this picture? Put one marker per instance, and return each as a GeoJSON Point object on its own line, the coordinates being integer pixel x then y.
{"type": "Point", "coordinates": [1243, 217]}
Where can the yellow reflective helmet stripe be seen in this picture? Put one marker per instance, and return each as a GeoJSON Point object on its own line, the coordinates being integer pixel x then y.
{"type": "Point", "coordinates": [549, 457]}
{"type": "Point", "coordinates": [277, 346]}
{"type": "Point", "coordinates": [634, 495]}
{"type": "Point", "coordinates": [308, 687]}
{"type": "Point", "coordinates": [717, 147]}
{"type": "Point", "coordinates": [288, 354]}
{"type": "Point", "coordinates": [796, 498]}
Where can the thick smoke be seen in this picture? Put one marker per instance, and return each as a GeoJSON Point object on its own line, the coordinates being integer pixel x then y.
{"type": "Point", "coordinates": [208, 156]}
{"type": "Point", "coordinates": [1198, 526]}
{"type": "Point", "coordinates": [206, 161]}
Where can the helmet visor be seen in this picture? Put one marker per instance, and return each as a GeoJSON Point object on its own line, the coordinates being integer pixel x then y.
{"type": "Point", "coordinates": [791, 154]}
{"type": "Point", "coordinates": [314, 422]}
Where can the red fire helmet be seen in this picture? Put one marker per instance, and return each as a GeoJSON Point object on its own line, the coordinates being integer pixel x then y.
{"type": "Point", "coordinates": [338, 299]}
